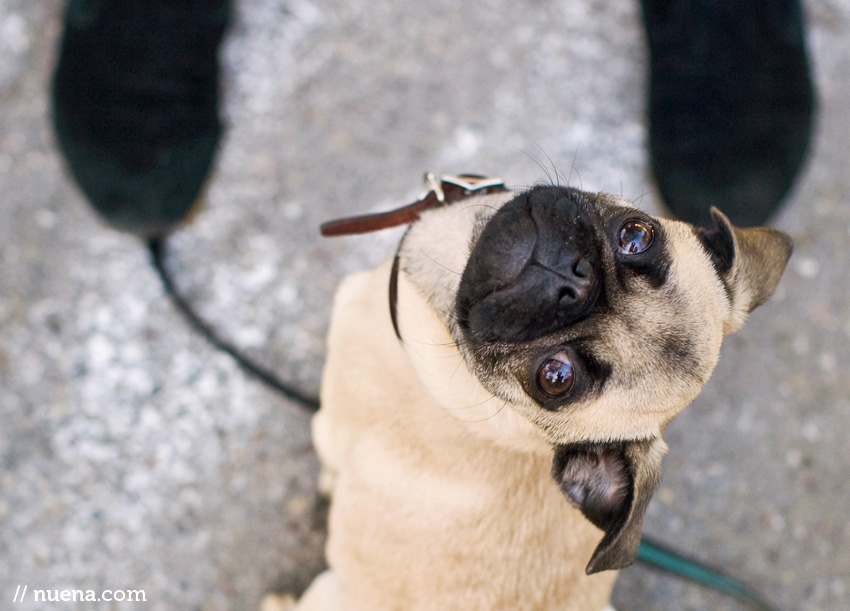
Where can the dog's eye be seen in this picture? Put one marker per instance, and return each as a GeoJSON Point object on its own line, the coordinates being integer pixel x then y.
{"type": "Point", "coordinates": [556, 377]}
{"type": "Point", "coordinates": [635, 236]}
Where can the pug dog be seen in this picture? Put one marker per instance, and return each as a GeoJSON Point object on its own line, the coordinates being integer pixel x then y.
{"type": "Point", "coordinates": [491, 440]}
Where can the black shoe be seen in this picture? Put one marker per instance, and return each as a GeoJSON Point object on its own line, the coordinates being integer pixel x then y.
{"type": "Point", "coordinates": [730, 104]}
{"type": "Point", "coordinates": [135, 105]}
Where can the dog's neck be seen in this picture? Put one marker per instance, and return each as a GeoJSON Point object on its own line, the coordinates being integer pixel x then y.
{"type": "Point", "coordinates": [443, 372]}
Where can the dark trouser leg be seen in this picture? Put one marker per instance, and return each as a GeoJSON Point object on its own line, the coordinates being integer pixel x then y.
{"type": "Point", "coordinates": [135, 105]}
{"type": "Point", "coordinates": [730, 104]}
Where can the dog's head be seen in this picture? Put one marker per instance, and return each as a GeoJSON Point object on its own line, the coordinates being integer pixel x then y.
{"type": "Point", "coordinates": [583, 321]}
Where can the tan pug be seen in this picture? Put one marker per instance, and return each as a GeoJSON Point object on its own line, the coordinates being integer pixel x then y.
{"type": "Point", "coordinates": [547, 334]}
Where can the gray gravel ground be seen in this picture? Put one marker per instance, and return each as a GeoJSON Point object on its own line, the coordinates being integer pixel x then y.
{"type": "Point", "coordinates": [134, 456]}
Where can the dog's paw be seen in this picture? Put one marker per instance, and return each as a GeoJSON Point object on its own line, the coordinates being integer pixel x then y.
{"type": "Point", "coordinates": [277, 602]}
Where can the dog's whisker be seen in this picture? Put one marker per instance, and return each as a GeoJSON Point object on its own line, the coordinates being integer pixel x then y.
{"type": "Point", "coordinates": [471, 405]}
{"type": "Point", "coordinates": [486, 206]}
{"type": "Point", "coordinates": [573, 168]}
{"type": "Point", "coordinates": [453, 411]}
{"type": "Point", "coordinates": [448, 269]}
{"type": "Point", "coordinates": [457, 368]}
{"type": "Point", "coordinates": [557, 178]}
{"type": "Point", "coordinates": [485, 418]}
{"type": "Point", "coordinates": [449, 344]}
{"type": "Point", "coordinates": [558, 174]}
{"type": "Point", "coordinates": [457, 408]}
{"type": "Point", "coordinates": [438, 344]}
{"type": "Point", "coordinates": [645, 193]}
{"type": "Point", "coordinates": [553, 175]}
{"type": "Point", "coordinates": [537, 162]}
{"type": "Point", "coordinates": [451, 316]}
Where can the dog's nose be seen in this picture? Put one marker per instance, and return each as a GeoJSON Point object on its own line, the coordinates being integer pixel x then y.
{"type": "Point", "coordinates": [576, 285]}
{"type": "Point", "coordinates": [534, 269]}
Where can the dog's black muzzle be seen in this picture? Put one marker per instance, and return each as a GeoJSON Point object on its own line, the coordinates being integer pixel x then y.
{"type": "Point", "coordinates": [535, 268]}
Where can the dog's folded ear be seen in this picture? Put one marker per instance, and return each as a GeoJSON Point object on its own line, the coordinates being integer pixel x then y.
{"type": "Point", "coordinates": [611, 483]}
{"type": "Point", "coordinates": [749, 261]}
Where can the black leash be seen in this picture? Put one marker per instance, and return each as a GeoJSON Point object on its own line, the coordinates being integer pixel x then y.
{"type": "Point", "coordinates": [156, 246]}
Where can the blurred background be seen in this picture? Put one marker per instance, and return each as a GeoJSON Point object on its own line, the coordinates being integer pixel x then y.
{"type": "Point", "coordinates": [133, 455]}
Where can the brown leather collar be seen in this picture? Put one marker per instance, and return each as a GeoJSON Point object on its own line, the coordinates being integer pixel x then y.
{"type": "Point", "coordinates": [448, 190]}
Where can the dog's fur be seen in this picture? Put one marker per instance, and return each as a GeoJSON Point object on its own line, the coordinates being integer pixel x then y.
{"type": "Point", "coordinates": [439, 450]}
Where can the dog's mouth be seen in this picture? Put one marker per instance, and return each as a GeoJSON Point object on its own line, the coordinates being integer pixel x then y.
{"type": "Point", "coordinates": [534, 269]}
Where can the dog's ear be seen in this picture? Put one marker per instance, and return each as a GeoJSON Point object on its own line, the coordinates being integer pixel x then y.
{"type": "Point", "coordinates": [611, 483]}
{"type": "Point", "coordinates": [749, 261]}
